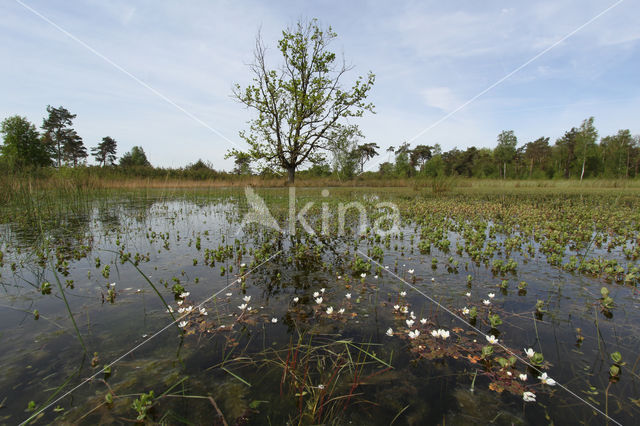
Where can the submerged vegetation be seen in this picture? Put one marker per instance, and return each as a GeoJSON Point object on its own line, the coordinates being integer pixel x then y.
{"type": "Point", "coordinates": [158, 306]}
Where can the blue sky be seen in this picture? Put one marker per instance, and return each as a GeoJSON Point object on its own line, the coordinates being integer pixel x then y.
{"type": "Point", "coordinates": [429, 58]}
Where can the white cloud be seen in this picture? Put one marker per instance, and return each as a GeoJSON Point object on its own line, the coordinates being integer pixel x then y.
{"type": "Point", "coordinates": [442, 98]}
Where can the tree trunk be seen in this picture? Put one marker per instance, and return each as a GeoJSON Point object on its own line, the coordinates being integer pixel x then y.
{"type": "Point", "coordinates": [504, 173]}
{"type": "Point", "coordinates": [584, 160]}
{"type": "Point", "coordinates": [291, 173]}
{"type": "Point", "coordinates": [531, 168]}
{"type": "Point", "coordinates": [626, 175]}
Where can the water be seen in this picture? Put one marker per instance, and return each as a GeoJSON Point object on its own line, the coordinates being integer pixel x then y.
{"type": "Point", "coordinates": [308, 366]}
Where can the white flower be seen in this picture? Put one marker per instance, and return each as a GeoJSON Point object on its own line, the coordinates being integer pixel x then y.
{"type": "Point", "coordinates": [529, 396]}
{"type": "Point", "coordinates": [423, 321]}
{"type": "Point", "coordinates": [184, 295]}
{"type": "Point", "coordinates": [182, 324]}
{"type": "Point", "coordinates": [491, 295]}
{"type": "Point", "coordinates": [435, 333]}
{"type": "Point", "coordinates": [389, 332]}
{"type": "Point", "coordinates": [386, 267]}
{"type": "Point", "coordinates": [170, 310]}
{"type": "Point", "coordinates": [546, 380]}
{"type": "Point", "coordinates": [319, 300]}
{"type": "Point", "coordinates": [432, 279]}
{"type": "Point", "coordinates": [242, 307]}
{"type": "Point", "coordinates": [203, 311]}
{"type": "Point", "coordinates": [316, 294]}
{"type": "Point", "coordinates": [492, 339]}
{"type": "Point", "coordinates": [295, 299]}
{"type": "Point", "coordinates": [509, 373]}
{"type": "Point", "coordinates": [339, 276]}
{"type": "Point", "coordinates": [444, 334]}
{"type": "Point", "coordinates": [348, 295]}
{"type": "Point", "coordinates": [242, 265]}
{"type": "Point", "coordinates": [395, 307]}
{"type": "Point", "coordinates": [414, 334]}
{"type": "Point", "coordinates": [405, 309]}
{"type": "Point", "coordinates": [522, 377]}
{"type": "Point", "coordinates": [322, 290]}
{"type": "Point", "coordinates": [246, 298]}
{"type": "Point", "coordinates": [112, 285]}
{"type": "Point", "coordinates": [329, 310]}
{"type": "Point", "coordinates": [274, 320]}
{"type": "Point", "coordinates": [363, 275]}
{"type": "Point", "coordinates": [465, 310]}
{"type": "Point", "coordinates": [529, 352]}
{"type": "Point", "coordinates": [375, 276]}
{"type": "Point", "coordinates": [180, 310]}
{"type": "Point", "coordinates": [403, 293]}
{"type": "Point", "coordinates": [188, 309]}
{"type": "Point", "coordinates": [409, 322]}
{"type": "Point", "coordinates": [341, 311]}
{"type": "Point", "coordinates": [412, 315]}
{"type": "Point", "coordinates": [410, 271]}
{"type": "Point", "coordinates": [468, 294]}
{"type": "Point", "coordinates": [180, 302]}
{"type": "Point", "coordinates": [320, 386]}
{"type": "Point", "coordinates": [486, 302]}
{"type": "Point", "coordinates": [229, 294]}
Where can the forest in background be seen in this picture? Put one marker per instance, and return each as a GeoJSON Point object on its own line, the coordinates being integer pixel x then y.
{"type": "Point", "coordinates": [579, 154]}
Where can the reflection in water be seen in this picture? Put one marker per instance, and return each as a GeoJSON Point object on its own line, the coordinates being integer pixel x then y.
{"type": "Point", "coordinates": [311, 344]}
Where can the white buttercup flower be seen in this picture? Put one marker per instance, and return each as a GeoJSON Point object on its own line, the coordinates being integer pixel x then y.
{"type": "Point", "coordinates": [414, 334]}
{"type": "Point", "coordinates": [546, 380]}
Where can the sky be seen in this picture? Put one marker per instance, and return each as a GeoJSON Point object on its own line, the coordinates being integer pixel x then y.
{"type": "Point", "coordinates": [160, 74]}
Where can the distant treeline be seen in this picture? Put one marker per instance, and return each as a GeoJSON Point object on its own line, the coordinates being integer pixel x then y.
{"type": "Point", "coordinates": [579, 153]}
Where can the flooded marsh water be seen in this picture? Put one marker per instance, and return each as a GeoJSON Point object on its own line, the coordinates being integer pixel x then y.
{"type": "Point", "coordinates": [166, 306]}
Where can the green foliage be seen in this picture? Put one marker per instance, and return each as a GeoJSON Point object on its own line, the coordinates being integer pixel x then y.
{"type": "Point", "coordinates": [142, 405]}
{"type": "Point", "coordinates": [105, 152]}
{"type": "Point", "coordinates": [62, 140]}
{"type": "Point", "coordinates": [495, 320]}
{"type": "Point", "coordinates": [300, 106]}
{"type": "Point", "coordinates": [22, 146]}
{"type": "Point", "coordinates": [135, 158]}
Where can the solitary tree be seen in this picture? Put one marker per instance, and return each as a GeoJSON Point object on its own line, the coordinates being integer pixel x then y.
{"type": "Point", "coordinates": [301, 102]}
{"type": "Point", "coordinates": [56, 131]}
{"type": "Point", "coordinates": [22, 145]}
{"type": "Point", "coordinates": [135, 157]}
{"type": "Point", "coordinates": [105, 152]}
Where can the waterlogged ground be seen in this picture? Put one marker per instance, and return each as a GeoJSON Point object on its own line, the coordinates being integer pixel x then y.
{"type": "Point", "coordinates": [517, 308]}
